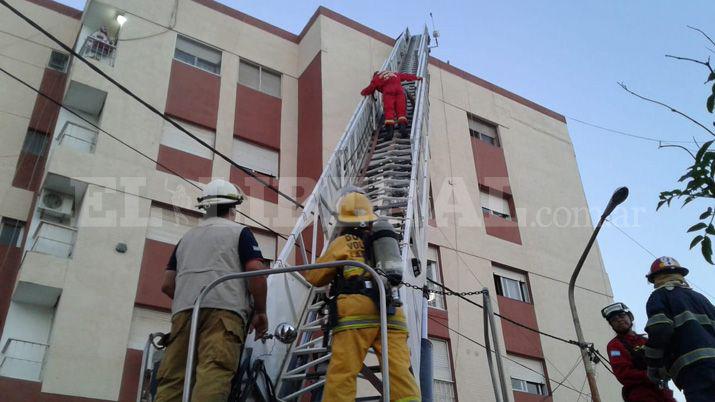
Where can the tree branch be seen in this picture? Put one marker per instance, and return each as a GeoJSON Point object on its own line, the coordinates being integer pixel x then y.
{"type": "Point", "coordinates": [672, 109]}
{"type": "Point", "coordinates": [660, 145]}
{"type": "Point", "coordinates": [702, 32]}
{"type": "Point", "coordinates": [705, 63]}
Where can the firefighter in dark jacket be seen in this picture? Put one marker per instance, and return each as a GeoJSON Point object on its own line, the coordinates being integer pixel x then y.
{"type": "Point", "coordinates": [627, 357]}
{"type": "Point", "coordinates": [681, 332]}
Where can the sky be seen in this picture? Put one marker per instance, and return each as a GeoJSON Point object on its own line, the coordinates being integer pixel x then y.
{"type": "Point", "coordinates": [569, 56]}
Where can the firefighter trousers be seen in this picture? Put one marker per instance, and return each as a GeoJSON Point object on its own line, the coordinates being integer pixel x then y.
{"type": "Point", "coordinates": [349, 350]}
{"type": "Point", "coordinates": [395, 103]}
{"type": "Point", "coordinates": [220, 340]}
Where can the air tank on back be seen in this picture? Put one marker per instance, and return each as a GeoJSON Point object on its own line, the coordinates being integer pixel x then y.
{"type": "Point", "coordinates": [386, 250]}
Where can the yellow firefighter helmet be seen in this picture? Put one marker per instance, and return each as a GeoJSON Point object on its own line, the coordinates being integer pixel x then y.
{"type": "Point", "coordinates": [355, 209]}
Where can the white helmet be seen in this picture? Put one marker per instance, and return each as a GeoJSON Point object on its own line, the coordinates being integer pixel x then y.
{"type": "Point", "coordinates": [219, 191]}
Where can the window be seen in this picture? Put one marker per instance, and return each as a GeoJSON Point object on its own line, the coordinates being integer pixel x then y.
{"type": "Point", "coordinates": [444, 389]}
{"type": "Point", "coordinates": [527, 375]}
{"type": "Point", "coordinates": [35, 143]}
{"type": "Point", "coordinates": [198, 55]}
{"type": "Point", "coordinates": [259, 78]}
{"type": "Point", "coordinates": [252, 156]}
{"type": "Point", "coordinates": [495, 205]}
{"type": "Point", "coordinates": [11, 232]}
{"type": "Point", "coordinates": [433, 272]}
{"type": "Point", "coordinates": [58, 61]}
{"type": "Point", "coordinates": [483, 131]}
{"type": "Point", "coordinates": [173, 138]}
{"type": "Point", "coordinates": [511, 284]}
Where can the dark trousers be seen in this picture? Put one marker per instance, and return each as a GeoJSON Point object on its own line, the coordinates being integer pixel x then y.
{"type": "Point", "coordinates": [698, 381]}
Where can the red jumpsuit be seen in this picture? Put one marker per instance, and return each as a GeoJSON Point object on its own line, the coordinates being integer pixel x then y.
{"type": "Point", "coordinates": [628, 361]}
{"type": "Point", "coordinates": [393, 96]}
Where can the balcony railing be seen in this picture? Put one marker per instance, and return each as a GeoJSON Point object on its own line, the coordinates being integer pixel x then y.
{"type": "Point", "coordinates": [54, 239]}
{"type": "Point", "coordinates": [99, 50]}
{"type": "Point", "coordinates": [78, 137]}
{"type": "Point", "coordinates": [22, 359]}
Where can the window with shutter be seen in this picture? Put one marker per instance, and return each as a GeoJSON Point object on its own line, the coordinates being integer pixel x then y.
{"type": "Point", "coordinates": [527, 375]}
{"type": "Point", "coordinates": [483, 130]}
{"type": "Point", "coordinates": [259, 78]}
{"type": "Point", "coordinates": [168, 225]}
{"type": "Point", "coordinates": [173, 138]}
{"type": "Point", "coordinates": [444, 389]}
{"type": "Point", "coordinates": [197, 54]}
{"type": "Point", "coordinates": [11, 232]}
{"type": "Point", "coordinates": [495, 205]}
{"type": "Point", "coordinates": [511, 284]}
{"type": "Point", "coordinates": [433, 273]}
{"type": "Point", "coordinates": [254, 157]}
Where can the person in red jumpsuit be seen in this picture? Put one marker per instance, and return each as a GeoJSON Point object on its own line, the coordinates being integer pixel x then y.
{"type": "Point", "coordinates": [626, 353]}
{"type": "Point", "coordinates": [393, 97]}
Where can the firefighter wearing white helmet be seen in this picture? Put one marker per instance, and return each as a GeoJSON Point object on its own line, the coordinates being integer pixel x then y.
{"type": "Point", "coordinates": [216, 247]}
{"type": "Point", "coordinates": [354, 318]}
{"type": "Point", "coordinates": [626, 353]}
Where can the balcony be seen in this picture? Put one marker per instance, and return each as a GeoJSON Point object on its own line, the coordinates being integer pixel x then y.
{"type": "Point", "coordinates": [99, 48]}
{"type": "Point", "coordinates": [22, 359]}
{"type": "Point", "coordinates": [54, 239]}
{"type": "Point", "coordinates": [78, 137]}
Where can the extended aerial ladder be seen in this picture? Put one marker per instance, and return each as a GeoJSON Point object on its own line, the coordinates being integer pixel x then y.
{"type": "Point", "coordinates": [394, 174]}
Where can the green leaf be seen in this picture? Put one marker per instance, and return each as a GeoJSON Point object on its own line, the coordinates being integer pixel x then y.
{"type": "Point", "coordinates": [697, 226]}
{"type": "Point", "coordinates": [687, 201]}
{"type": "Point", "coordinates": [660, 204]}
{"type": "Point", "coordinates": [707, 249]}
{"type": "Point", "coordinates": [711, 77]}
{"type": "Point", "coordinates": [710, 230]}
{"type": "Point", "coordinates": [696, 240]}
{"type": "Point", "coordinates": [703, 148]}
{"type": "Point", "coordinates": [706, 213]}
{"type": "Point", "coordinates": [711, 103]}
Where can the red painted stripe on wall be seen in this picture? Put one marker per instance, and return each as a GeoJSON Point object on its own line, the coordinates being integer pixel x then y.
{"type": "Point", "coordinates": [193, 95]}
{"type": "Point", "coordinates": [187, 165]}
{"type": "Point", "coordinates": [258, 117]}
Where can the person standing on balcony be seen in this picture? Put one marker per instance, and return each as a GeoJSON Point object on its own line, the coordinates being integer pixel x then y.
{"type": "Point", "coordinates": [389, 83]}
{"type": "Point", "coordinates": [626, 353]}
{"type": "Point", "coordinates": [101, 45]}
{"type": "Point", "coordinates": [354, 319]}
{"type": "Point", "coordinates": [216, 247]}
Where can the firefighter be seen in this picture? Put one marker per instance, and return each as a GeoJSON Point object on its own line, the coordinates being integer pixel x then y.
{"type": "Point", "coordinates": [355, 320]}
{"type": "Point", "coordinates": [216, 247]}
{"type": "Point", "coordinates": [627, 356]}
{"type": "Point", "coordinates": [681, 332]}
{"type": "Point", "coordinates": [393, 97]}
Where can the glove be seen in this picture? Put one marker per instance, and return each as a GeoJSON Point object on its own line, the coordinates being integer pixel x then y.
{"type": "Point", "coordinates": [394, 279]}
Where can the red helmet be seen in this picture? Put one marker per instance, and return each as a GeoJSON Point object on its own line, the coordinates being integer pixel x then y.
{"type": "Point", "coordinates": [665, 265]}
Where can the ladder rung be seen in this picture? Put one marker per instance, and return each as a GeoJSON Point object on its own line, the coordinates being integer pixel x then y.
{"type": "Point", "coordinates": [302, 391]}
{"type": "Point", "coordinates": [309, 343]}
{"type": "Point", "coordinates": [309, 364]}
{"type": "Point", "coordinates": [313, 350]}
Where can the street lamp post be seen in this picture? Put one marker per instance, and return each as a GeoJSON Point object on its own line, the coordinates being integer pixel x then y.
{"type": "Point", "coordinates": [617, 198]}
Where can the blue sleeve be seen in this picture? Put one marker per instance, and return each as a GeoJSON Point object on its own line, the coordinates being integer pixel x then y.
{"type": "Point", "coordinates": [660, 328]}
{"type": "Point", "coordinates": [248, 248]}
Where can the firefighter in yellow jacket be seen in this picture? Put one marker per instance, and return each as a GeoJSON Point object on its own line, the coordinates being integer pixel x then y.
{"type": "Point", "coordinates": [358, 322]}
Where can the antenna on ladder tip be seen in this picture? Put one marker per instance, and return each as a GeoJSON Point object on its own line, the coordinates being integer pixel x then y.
{"type": "Point", "coordinates": [435, 32]}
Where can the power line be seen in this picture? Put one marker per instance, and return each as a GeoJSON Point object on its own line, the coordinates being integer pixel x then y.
{"type": "Point", "coordinates": [504, 356]}
{"type": "Point", "coordinates": [627, 134]}
{"type": "Point", "coordinates": [144, 103]}
{"type": "Point", "coordinates": [576, 364]}
{"type": "Point", "coordinates": [24, 83]}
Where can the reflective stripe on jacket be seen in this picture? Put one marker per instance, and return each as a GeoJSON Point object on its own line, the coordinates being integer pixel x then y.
{"type": "Point", "coordinates": [681, 329]}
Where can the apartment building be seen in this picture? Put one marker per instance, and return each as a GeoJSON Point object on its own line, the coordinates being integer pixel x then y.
{"type": "Point", "coordinates": [88, 223]}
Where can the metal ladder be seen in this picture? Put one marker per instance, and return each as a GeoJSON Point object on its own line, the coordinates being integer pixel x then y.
{"type": "Point", "coordinates": [394, 174]}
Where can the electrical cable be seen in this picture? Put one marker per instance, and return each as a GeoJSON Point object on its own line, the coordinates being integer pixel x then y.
{"type": "Point", "coordinates": [131, 148]}
{"type": "Point", "coordinates": [504, 356]}
{"type": "Point", "coordinates": [576, 364]}
{"type": "Point", "coordinates": [146, 104]}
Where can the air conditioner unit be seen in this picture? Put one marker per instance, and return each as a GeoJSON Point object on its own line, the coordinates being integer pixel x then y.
{"type": "Point", "coordinates": [56, 204]}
